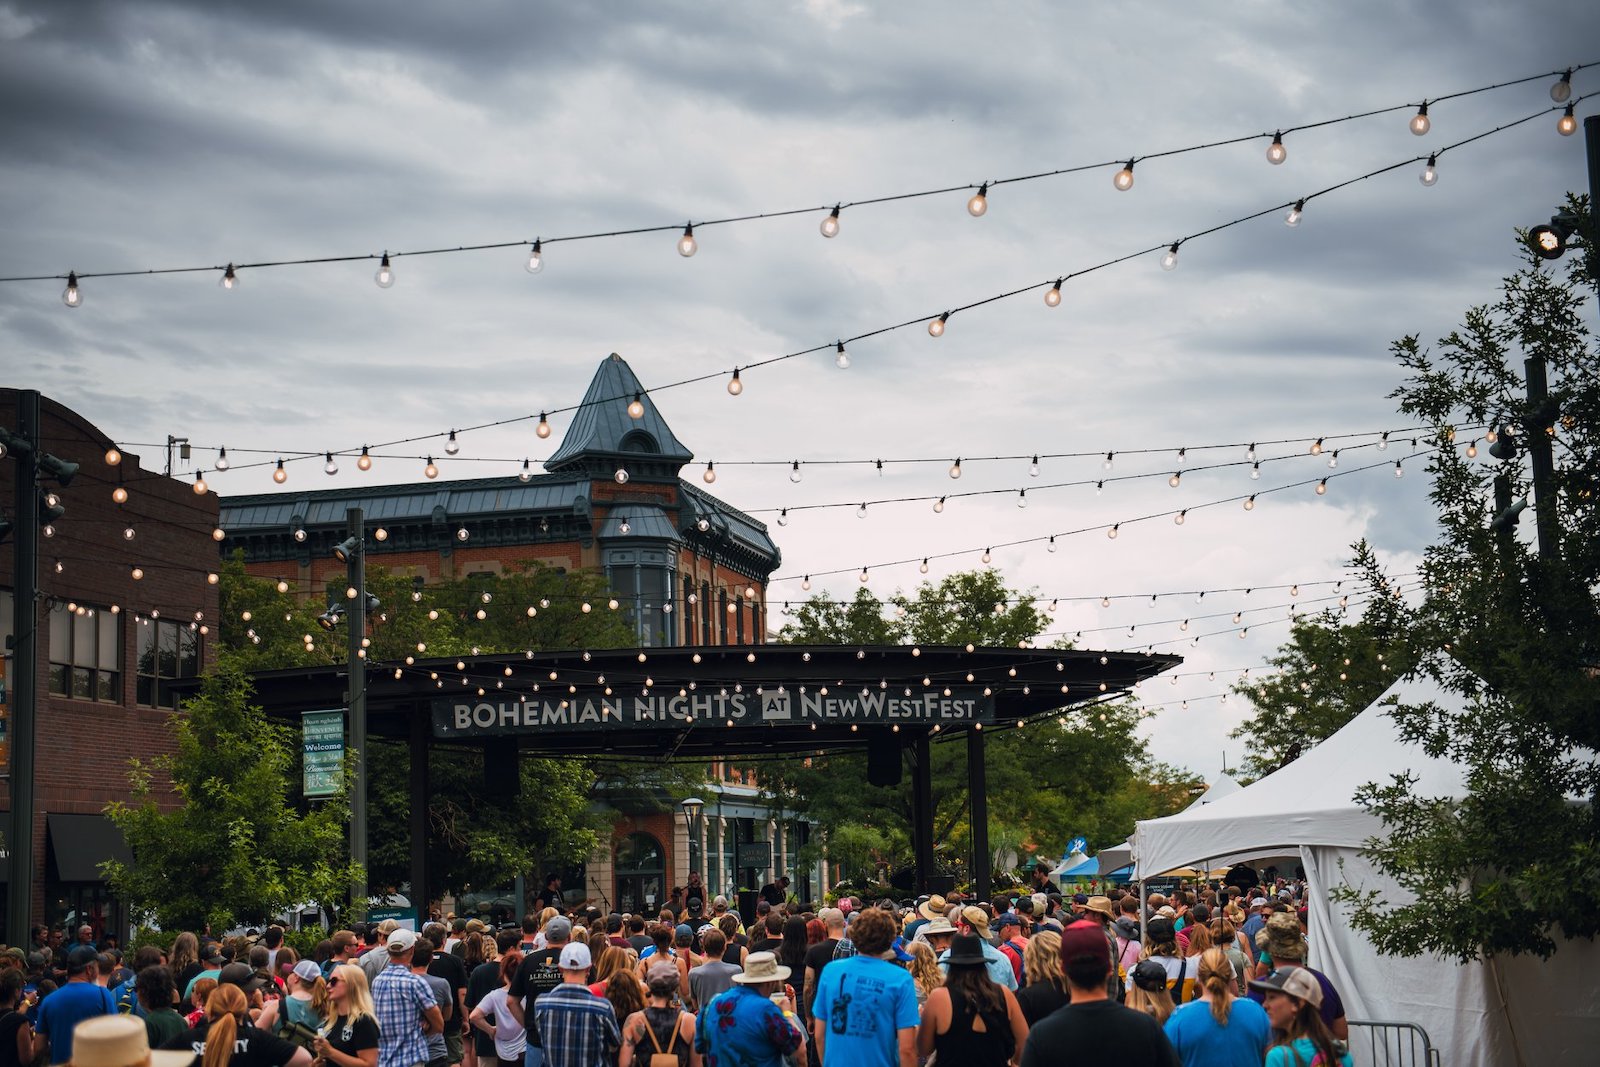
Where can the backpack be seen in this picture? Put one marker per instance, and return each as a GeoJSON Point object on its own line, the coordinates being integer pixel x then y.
{"type": "Point", "coordinates": [297, 1032]}
{"type": "Point", "coordinates": [1014, 954]}
{"type": "Point", "coordinates": [666, 1057]}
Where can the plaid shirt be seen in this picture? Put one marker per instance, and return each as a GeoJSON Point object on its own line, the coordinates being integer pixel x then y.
{"type": "Point", "coordinates": [578, 1029]}
{"type": "Point", "coordinates": [399, 1000]}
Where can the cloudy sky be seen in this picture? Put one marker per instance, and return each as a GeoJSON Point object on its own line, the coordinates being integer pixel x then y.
{"type": "Point", "coordinates": [157, 135]}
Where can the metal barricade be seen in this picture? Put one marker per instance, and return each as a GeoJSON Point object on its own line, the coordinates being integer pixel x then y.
{"type": "Point", "coordinates": [1391, 1044]}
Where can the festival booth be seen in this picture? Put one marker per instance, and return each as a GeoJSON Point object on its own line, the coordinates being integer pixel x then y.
{"type": "Point", "coordinates": [1518, 1010]}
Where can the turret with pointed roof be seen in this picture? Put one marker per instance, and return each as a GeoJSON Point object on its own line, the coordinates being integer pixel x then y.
{"type": "Point", "coordinates": [603, 436]}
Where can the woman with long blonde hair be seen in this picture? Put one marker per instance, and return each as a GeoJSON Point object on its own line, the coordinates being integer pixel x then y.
{"type": "Point", "coordinates": [1218, 1029]}
{"type": "Point", "coordinates": [226, 1035]}
{"type": "Point", "coordinates": [349, 1037]}
{"type": "Point", "coordinates": [1147, 990]}
{"type": "Point", "coordinates": [1047, 981]}
{"type": "Point", "coordinates": [924, 968]}
{"type": "Point", "coordinates": [184, 960]}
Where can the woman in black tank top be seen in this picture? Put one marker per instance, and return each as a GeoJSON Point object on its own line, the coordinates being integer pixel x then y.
{"type": "Point", "coordinates": [971, 1020]}
{"type": "Point", "coordinates": [661, 1026]}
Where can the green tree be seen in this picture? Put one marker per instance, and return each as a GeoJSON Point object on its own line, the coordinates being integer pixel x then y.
{"type": "Point", "coordinates": [235, 849]}
{"type": "Point", "coordinates": [1324, 675]}
{"type": "Point", "coordinates": [1049, 780]}
{"type": "Point", "coordinates": [1514, 866]}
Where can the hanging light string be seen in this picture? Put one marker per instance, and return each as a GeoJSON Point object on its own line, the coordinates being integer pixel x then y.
{"type": "Point", "coordinates": [535, 264]}
{"type": "Point", "coordinates": [1110, 528]}
{"type": "Point", "coordinates": [878, 462]}
{"type": "Point", "coordinates": [838, 345]}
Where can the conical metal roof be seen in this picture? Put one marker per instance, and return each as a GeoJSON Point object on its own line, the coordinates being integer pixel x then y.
{"type": "Point", "coordinates": [602, 426]}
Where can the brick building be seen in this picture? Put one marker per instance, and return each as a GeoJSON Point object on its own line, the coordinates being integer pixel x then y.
{"type": "Point", "coordinates": [688, 569]}
{"type": "Point", "coordinates": [109, 645]}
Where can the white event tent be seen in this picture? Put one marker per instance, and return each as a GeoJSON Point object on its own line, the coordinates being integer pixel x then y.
{"type": "Point", "coordinates": [1507, 1010]}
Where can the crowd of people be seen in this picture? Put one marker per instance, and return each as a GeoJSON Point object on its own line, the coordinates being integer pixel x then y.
{"type": "Point", "coordinates": [1214, 977]}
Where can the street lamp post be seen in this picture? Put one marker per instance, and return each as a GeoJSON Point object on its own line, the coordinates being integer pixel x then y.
{"type": "Point", "coordinates": [693, 821]}
{"type": "Point", "coordinates": [352, 552]}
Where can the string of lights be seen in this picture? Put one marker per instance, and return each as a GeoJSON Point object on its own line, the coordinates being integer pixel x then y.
{"type": "Point", "coordinates": [936, 323]}
{"type": "Point", "coordinates": [688, 244]}
{"type": "Point", "coordinates": [1111, 529]}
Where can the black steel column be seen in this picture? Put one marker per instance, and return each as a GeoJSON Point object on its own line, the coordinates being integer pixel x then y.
{"type": "Point", "coordinates": [24, 669]}
{"type": "Point", "coordinates": [922, 811]}
{"type": "Point", "coordinates": [356, 624]}
{"type": "Point", "coordinates": [420, 796]}
{"type": "Point", "coordinates": [978, 790]}
{"type": "Point", "coordinates": [1536, 428]}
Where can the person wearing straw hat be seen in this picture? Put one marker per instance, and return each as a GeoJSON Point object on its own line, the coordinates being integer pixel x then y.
{"type": "Point", "coordinates": [974, 920]}
{"type": "Point", "coordinates": [120, 1041]}
{"type": "Point", "coordinates": [745, 1027]}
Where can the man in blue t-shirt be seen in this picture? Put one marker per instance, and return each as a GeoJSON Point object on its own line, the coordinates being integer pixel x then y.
{"type": "Point", "coordinates": [865, 1011]}
{"type": "Point", "coordinates": [81, 998]}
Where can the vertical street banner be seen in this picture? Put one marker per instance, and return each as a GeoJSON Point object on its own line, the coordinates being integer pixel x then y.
{"type": "Point", "coordinates": [322, 752]}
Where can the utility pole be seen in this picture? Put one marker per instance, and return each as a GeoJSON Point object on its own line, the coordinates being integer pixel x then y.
{"type": "Point", "coordinates": [25, 666]}
{"type": "Point", "coordinates": [356, 627]}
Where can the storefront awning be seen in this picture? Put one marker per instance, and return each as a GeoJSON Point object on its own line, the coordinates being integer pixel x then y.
{"type": "Point", "coordinates": [80, 843]}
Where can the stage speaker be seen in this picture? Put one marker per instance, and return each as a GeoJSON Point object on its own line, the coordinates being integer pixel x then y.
{"type": "Point", "coordinates": [883, 764]}
{"type": "Point", "coordinates": [942, 884]}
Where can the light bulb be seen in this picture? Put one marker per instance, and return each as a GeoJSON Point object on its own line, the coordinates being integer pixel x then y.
{"type": "Point", "coordinates": [385, 275]}
{"type": "Point", "coordinates": [924, 567]}
{"type": "Point", "coordinates": [365, 462]}
{"type": "Point", "coordinates": [805, 583]}
{"type": "Point", "coordinates": [1177, 477]}
{"type": "Point", "coordinates": [1293, 217]}
{"type": "Point", "coordinates": [1033, 468]}
{"type": "Point", "coordinates": [1316, 447]}
{"type": "Point", "coordinates": [1399, 471]}
{"type": "Point", "coordinates": [1567, 124]}
{"type": "Point", "coordinates": [1051, 545]}
{"type": "Point", "coordinates": [229, 280]}
{"type": "Point", "coordinates": [1179, 517]}
{"type": "Point", "coordinates": [621, 476]}
{"type": "Point", "coordinates": [987, 555]}
{"type": "Point", "coordinates": [451, 445]}
{"type": "Point", "coordinates": [128, 533]}
{"type": "Point", "coordinates": [1170, 260]}
{"type": "Point", "coordinates": [543, 429]}
{"type": "Point", "coordinates": [1112, 533]}
{"type": "Point", "coordinates": [841, 358]}
{"type": "Point", "coordinates": [863, 574]}
{"type": "Point", "coordinates": [113, 457]}
{"type": "Point", "coordinates": [794, 471]}
{"type": "Point", "coordinates": [979, 204]}
{"type": "Point", "coordinates": [380, 534]}
{"type": "Point", "coordinates": [1276, 153]}
{"type": "Point", "coordinates": [1383, 441]}
{"type": "Point", "coordinates": [430, 470]}
{"type": "Point", "coordinates": [535, 262]}
{"type": "Point", "coordinates": [330, 467]}
{"type": "Point", "coordinates": [1322, 487]}
{"type": "Point", "coordinates": [861, 512]}
{"type": "Point", "coordinates": [1250, 453]}
{"type": "Point", "coordinates": [283, 586]}
{"type": "Point", "coordinates": [1333, 460]}
{"type": "Point", "coordinates": [1124, 178]}
{"type": "Point", "coordinates": [1420, 123]}
{"type": "Point", "coordinates": [1561, 91]}
{"type": "Point", "coordinates": [830, 225]}
{"type": "Point", "coordinates": [137, 574]}
{"type": "Point", "coordinates": [955, 468]}
{"type": "Point", "coordinates": [938, 506]}
{"type": "Point", "coordinates": [687, 245]}
{"type": "Point", "coordinates": [710, 474]}
{"type": "Point", "coordinates": [1099, 487]}
{"type": "Point", "coordinates": [783, 516]}
{"type": "Point", "coordinates": [1472, 450]}
{"type": "Point", "coordinates": [1022, 498]}
{"type": "Point", "coordinates": [1052, 295]}
{"type": "Point", "coordinates": [702, 525]}
{"type": "Point", "coordinates": [1430, 173]}
{"type": "Point", "coordinates": [1110, 458]}
{"type": "Point", "coordinates": [525, 475]}
{"type": "Point", "coordinates": [120, 495]}
{"type": "Point", "coordinates": [735, 386]}
{"type": "Point", "coordinates": [300, 535]}
{"type": "Point", "coordinates": [199, 484]}
{"type": "Point", "coordinates": [636, 406]}
{"type": "Point", "coordinates": [71, 296]}
{"type": "Point", "coordinates": [936, 326]}
{"type": "Point", "coordinates": [1250, 502]}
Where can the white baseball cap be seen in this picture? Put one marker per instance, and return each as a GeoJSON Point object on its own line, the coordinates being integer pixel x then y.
{"type": "Point", "coordinates": [575, 957]}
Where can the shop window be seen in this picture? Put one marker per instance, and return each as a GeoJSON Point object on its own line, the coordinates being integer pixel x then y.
{"type": "Point", "coordinates": [86, 653]}
{"type": "Point", "coordinates": [168, 652]}
{"type": "Point", "coordinates": [705, 613]}
{"type": "Point", "coordinates": [641, 868]}
{"type": "Point", "coordinates": [643, 583]}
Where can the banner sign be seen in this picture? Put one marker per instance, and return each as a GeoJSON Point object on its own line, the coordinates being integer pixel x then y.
{"type": "Point", "coordinates": [322, 752]}
{"type": "Point", "coordinates": [753, 854]}
{"type": "Point", "coordinates": [486, 717]}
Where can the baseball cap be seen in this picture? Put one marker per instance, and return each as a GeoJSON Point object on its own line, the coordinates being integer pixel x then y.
{"type": "Point", "coordinates": [1291, 981]}
{"type": "Point", "coordinates": [575, 957]}
{"type": "Point", "coordinates": [400, 941]}
{"type": "Point", "coordinates": [1082, 942]}
{"type": "Point", "coordinates": [307, 971]}
{"type": "Point", "coordinates": [1007, 919]}
{"type": "Point", "coordinates": [558, 929]}
{"type": "Point", "coordinates": [1258, 902]}
{"type": "Point", "coordinates": [81, 958]}
{"type": "Point", "coordinates": [241, 975]}
{"type": "Point", "coordinates": [1080, 898]}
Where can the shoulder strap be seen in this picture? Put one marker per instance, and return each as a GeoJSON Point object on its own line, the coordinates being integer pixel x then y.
{"type": "Point", "coordinates": [650, 1028]}
{"type": "Point", "coordinates": [677, 1022]}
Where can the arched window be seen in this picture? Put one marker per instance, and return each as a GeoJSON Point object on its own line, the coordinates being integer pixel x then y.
{"type": "Point", "coordinates": [641, 869]}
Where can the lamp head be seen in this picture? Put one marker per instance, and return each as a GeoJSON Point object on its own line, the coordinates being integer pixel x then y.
{"type": "Point", "coordinates": [347, 549]}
